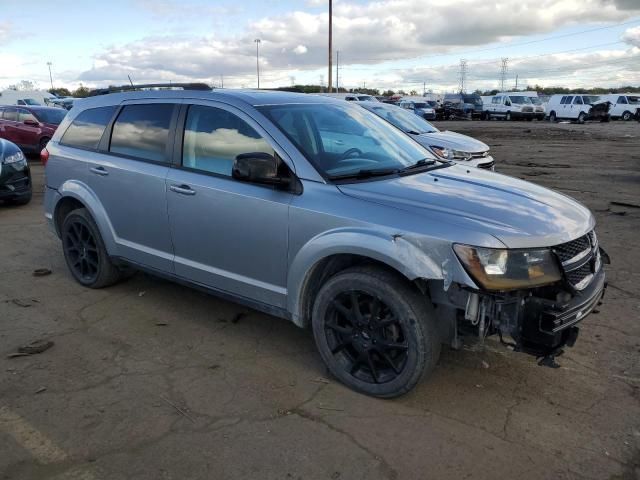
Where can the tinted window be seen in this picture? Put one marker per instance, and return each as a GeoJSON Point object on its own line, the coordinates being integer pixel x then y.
{"type": "Point", "coordinates": [53, 116]}
{"type": "Point", "coordinates": [568, 100]}
{"type": "Point", "coordinates": [622, 100]}
{"type": "Point", "coordinates": [10, 114]}
{"type": "Point", "coordinates": [577, 101]}
{"type": "Point", "coordinates": [142, 131]}
{"type": "Point", "coordinates": [214, 137]}
{"type": "Point", "coordinates": [26, 115]}
{"type": "Point", "coordinates": [87, 128]}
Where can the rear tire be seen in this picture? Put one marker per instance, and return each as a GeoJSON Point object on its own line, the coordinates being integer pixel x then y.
{"type": "Point", "coordinates": [43, 144]}
{"type": "Point", "coordinates": [552, 117]}
{"type": "Point", "coordinates": [581, 118]}
{"type": "Point", "coordinates": [84, 251]}
{"type": "Point", "coordinates": [375, 332]}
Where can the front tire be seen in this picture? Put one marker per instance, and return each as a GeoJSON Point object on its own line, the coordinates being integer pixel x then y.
{"type": "Point", "coordinates": [581, 118]}
{"type": "Point", "coordinates": [552, 117]}
{"type": "Point", "coordinates": [84, 251]}
{"type": "Point", "coordinates": [375, 332]}
{"type": "Point", "coordinates": [626, 116]}
{"type": "Point", "coordinates": [507, 117]}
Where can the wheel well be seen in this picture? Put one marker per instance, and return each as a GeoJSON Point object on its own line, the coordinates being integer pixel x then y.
{"type": "Point", "coordinates": [64, 206]}
{"type": "Point", "coordinates": [325, 269]}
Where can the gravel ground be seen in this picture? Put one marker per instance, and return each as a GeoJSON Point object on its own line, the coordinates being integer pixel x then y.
{"type": "Point", "coordinates": [151, 380]}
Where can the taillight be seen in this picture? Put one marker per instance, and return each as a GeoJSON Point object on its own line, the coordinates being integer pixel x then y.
{"type": "Point", "coordinates": [44, 156]}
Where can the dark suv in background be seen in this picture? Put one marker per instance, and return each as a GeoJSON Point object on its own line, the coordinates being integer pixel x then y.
{"type": "Point", "coordinates": [462, 105]}
{"type": "Point", "coordinates": [29, 127]}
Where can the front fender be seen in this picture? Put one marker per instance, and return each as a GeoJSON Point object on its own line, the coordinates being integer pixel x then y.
{"type": "Point", "coordinates": [83, 193]}
{"type": "Point", "coordinates": [412, 257]}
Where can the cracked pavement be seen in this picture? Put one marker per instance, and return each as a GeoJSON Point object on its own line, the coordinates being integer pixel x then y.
{"type": "Point", "coordinates": [152, 380]}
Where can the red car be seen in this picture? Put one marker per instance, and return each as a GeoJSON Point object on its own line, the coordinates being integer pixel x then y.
{"type": "Point", "coordinates": [29, 127]}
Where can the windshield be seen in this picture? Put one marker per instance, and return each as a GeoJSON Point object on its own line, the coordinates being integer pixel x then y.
{"type": "Point", "coordinates": [366, 98]}
{"type": "Point", "coordinates": [402, 119]}
{"type": "Point", "coordinates": [535, 100]}
{"type": "Point", "coordinates": [590, 98]}
{"type": "Point", "coordinates": [30, 101]}
{"type": "Point", "coordinates": [340, 140]}
{"type": "Point", "coordinates": [520, 100]}
{"type": "Point", "coordinates": [474, 99]}
{"type": "Point", "coordinates": [53, 115]}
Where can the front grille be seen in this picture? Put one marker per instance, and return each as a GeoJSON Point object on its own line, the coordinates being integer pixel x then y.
{"type": "Point", "coordinates": [580, 259]}
{"type": "Point", "coordinates": [527, 109]}
{"type": "Point", "coordinates": [487, 165]}
{"type": "Point", "coordinates": [570, 250]}
{"type": "Point", "coordinates": [479, 154]}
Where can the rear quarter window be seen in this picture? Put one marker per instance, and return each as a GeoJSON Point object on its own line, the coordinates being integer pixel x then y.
{"type": "Point", "coordinates": [87, 128]}
{"type": "Point", "coordinates": [142, 131]}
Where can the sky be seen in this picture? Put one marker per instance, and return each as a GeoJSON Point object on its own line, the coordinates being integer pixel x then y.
{"type": "Point", "coordinates": [386, 44]}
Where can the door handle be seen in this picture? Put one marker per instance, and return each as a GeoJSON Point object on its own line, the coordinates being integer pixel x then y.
{"type": "Point", "coordinates": [99, 171]}
{"type": "Point", "coordinates": [182, 189]}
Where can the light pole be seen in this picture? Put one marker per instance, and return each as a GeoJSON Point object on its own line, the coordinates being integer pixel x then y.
{"type": "Point", "coordinates": [257, 40]}
{"type": "Point", "coordinates": [330, 43]}
{"type": "Point", "coordinates": [50, 77]}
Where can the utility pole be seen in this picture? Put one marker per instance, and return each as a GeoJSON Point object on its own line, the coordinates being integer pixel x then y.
{"type": "Point", "coordinates": [424, 89]}
{"type": "Point", "coordinates": [50, 77]}
{"type": "Point", "coordinates": [337, 70]}
{"type": "Point", "coordinates": [330, 43]}
{"type": "Point", "coordinates": [221, 81]}
{"type": "Point", "coordinates": [516, 82]}
{"type": "Point", "coordinates": [257, 40]}
{"type": "Point", "coordinates": [503, 72]}
{"type": "Point", "coordinates": [463, 74]}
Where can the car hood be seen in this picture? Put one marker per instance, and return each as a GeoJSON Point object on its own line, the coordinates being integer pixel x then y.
{"type": "Point", "coordinates": [452, 140]}
{"type": "Point", "coordinates": [518, 213]}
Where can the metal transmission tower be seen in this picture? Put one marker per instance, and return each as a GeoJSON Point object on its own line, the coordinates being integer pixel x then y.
{"type": "Point", "coordinates": [503, 72]}
{"type": "Point", "coordinates": [463, 75]}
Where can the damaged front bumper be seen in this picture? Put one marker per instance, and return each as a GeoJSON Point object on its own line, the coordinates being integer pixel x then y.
{"type": "Point", "coordinates": [539, 321]}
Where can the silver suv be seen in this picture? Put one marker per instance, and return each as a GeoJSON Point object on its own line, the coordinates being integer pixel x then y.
{"type": "Point", "coordinates": [320, 212]}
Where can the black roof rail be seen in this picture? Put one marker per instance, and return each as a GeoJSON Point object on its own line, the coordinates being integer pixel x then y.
{"type": "Point", "coordinates": [129, 88]}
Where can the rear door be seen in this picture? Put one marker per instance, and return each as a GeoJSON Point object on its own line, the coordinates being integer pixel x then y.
{"type": "Point", "coordinates": [27, 133]}
{"type": "Point", "coordinates": [227, 234]}
{"type": "Point", "coordinates": [128, 177]}
{"type": "Point", "coordinates": [9, 122]}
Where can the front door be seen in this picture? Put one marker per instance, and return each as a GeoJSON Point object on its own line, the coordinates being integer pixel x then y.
{"type": "Point", "coordinates": [227, 234]}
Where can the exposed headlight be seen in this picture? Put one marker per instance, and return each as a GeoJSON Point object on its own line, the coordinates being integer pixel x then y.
{"type": "Point", "coordinates": [15, 158]}
{"type": "Point", "coordinates": [504, 269]}
{"type": "Point", "coordinates": [451, 154]}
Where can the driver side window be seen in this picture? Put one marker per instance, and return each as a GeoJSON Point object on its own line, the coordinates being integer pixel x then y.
{"type": "Point", "coordinates": [213, 137]}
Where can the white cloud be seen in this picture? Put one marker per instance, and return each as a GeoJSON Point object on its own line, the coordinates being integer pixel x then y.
{"type": "Point", "coordinates": [632, 36]}
{"type": "Point", "coordinates": [300, 50]}
{"type": "Point", "coordinates": [386, 30]}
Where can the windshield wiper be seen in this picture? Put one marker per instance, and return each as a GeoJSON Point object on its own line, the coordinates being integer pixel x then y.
{"type": "Point", "coordinates": [365, 173]}
{"type": "Point", "coordinates": [413, 132]}
{"type": "Point", "coordinates": [426, 164]}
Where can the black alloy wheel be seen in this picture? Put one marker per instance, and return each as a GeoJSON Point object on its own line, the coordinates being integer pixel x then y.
{"type": "Point", "coordinates": [81, 250]}
{"type": "Point", "coordinates": [85, 253]}
{"type": "Point", "coordinates": [375, 331]}
{"type": "Point", "coordinates": [369, 336]}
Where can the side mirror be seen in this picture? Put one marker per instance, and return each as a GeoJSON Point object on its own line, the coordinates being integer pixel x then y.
{"type": "Point", "coordinates": [258, 167]}
{"type": "Point", "coordinates": [33, 123]}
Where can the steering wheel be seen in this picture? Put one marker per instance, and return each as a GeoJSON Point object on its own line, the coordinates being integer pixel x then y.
{"type": "Point", "coordinates": [350, 152]}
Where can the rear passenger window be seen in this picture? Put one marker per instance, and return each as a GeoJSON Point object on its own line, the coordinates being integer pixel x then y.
{"type": "Point", "coordinates": [10, 114]}
{"type": "Point", "coordinates": [87, 128]}
{"type": "Point", "coordinates": [142, 131]}
{"type": "Point", "coordinates": [214, 137]}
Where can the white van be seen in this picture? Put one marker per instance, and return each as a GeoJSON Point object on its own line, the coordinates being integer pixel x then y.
{"type": "Point", "coordinates": [508, 107]}
{"type": "Point", "coordinates": [623, 105]}
{"type": "Point", "coordinates": [578, 107]}
{"type": "Point", "coordinates": [24, 97]}
{"type": "Point", "coordinates": [351, 97]}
